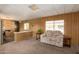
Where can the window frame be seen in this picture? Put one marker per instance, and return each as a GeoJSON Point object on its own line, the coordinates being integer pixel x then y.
{"type": "Point", "coordinates": [54, 25]}
{"type": "Point", "coordinates": [26, 26]}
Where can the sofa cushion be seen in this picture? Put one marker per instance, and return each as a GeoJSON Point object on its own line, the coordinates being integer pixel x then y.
{"type": "Point", "coordinates": [49, 33]}
{"type": "Point", "coordinates": [56, 33]}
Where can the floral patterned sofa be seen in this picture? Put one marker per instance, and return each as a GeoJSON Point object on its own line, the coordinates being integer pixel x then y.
{"type": "Point", "coordinates": [53, 38]}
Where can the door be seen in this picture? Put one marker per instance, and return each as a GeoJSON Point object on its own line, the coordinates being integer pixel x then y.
{"type": "Point", "coordinates": [1, 33]}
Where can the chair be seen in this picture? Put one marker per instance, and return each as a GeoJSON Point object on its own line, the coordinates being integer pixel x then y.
{"type": "Point", "coordinates": [8, 35]}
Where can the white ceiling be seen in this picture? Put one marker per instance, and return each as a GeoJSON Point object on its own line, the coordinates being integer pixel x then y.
{"type": "Point", "coordinates": [23, 12]}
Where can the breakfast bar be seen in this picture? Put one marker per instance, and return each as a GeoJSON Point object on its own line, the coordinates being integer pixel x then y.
{"type": "Point", "coordinates": [22, 35]}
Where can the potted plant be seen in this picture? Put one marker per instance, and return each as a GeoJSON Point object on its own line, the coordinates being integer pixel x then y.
{"type": "Point", "coordinates": [40, 31]}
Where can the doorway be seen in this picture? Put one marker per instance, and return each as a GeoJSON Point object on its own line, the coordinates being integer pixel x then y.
{"type": "Point", "coordinates": [8, 28]}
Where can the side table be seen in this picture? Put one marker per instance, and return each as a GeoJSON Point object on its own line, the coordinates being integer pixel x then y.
{"type": "Point", "coordinates": [67, 41]}
{"type": "Point", "coordinates": [38, 35]}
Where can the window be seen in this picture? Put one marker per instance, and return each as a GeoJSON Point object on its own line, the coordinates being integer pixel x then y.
{"type": "Point", "coordinates": [49, 25]}
{"type": "Point", "coordinates": [26, 26]}
{"type": "Point", "coordinates": [55, 25]}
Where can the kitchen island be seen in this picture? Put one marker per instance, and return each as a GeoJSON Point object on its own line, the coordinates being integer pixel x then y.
{"type": "Point", "coordinates": [22, 35]}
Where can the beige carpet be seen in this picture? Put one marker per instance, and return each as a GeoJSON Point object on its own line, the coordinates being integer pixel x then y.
{"type": "Point", "coordinates": [32, 46]}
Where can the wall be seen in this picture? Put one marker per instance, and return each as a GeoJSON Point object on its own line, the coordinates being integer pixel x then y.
{"type": "Point", "coordinates": [17, 26]}
{"type": "Point", "coordinates": [71, 25]}
{"type": "Point", "coordinates": [8, 25]}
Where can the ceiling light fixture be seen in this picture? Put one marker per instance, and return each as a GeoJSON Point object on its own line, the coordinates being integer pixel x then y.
{"type": "Point", "coordinates": [34, 7]}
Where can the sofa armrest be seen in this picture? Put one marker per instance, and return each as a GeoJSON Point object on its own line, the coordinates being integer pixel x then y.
{"type": "Point", "coordinates": [61, 36]}
{"type": "Point", "coordinates": [43, 35]}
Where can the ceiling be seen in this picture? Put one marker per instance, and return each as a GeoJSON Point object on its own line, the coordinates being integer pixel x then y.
{"type": "Point", "coordinates": [23, 12]}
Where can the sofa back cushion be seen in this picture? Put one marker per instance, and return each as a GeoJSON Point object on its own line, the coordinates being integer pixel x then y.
{"type": "Point", "coordinates": [51, 33]}
{"type": "Point", "coordinates": [48, 33]}
{"type": "Point", "coordinates": [57, 33]}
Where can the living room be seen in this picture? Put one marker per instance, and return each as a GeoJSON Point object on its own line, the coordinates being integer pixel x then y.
{"type": "Point", "coordinates": [36, 21]}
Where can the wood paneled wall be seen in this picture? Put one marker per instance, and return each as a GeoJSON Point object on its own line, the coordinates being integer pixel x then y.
{"type": "Point", "coordinates": [71, 25]}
